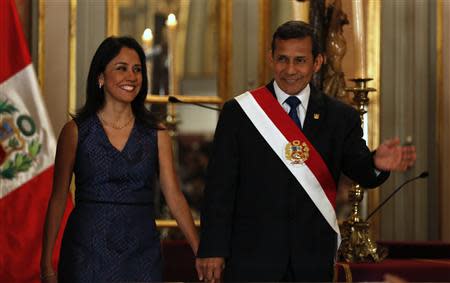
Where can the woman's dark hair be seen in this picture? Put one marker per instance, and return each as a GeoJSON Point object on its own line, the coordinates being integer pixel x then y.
{"type": "Point", "coordinates": [296, 30]}
{"type": "Point", "coordinates": [95, 98]}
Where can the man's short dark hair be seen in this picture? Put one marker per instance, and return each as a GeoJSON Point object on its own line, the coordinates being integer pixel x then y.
{"type": "Point", "coordinates": [296, 30]}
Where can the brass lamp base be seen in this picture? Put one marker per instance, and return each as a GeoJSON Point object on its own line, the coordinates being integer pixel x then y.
{"type": "Point", "coordinates": [357, 246]}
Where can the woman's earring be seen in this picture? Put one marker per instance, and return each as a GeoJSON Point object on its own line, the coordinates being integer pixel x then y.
{"type": "Point", "coordinates": [100, 85]}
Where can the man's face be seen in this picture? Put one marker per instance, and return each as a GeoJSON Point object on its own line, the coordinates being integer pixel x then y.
{"type": "Point", "coordinates": [293, 64]}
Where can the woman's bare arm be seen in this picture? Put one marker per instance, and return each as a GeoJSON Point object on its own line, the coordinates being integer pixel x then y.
{"type": "Point", "coordinates": [171, 189]}
{"type": "Point", "coordinates": [63, 168]}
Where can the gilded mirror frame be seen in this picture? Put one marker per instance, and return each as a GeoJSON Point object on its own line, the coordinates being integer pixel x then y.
{"type": "Point", "coordinates": [224, 56]}
{"type": "Point", "coordinates": [223, 72]}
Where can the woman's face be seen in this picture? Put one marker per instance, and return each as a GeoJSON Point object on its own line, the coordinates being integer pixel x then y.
{"type": "Point", "coordinates": [122, 78]}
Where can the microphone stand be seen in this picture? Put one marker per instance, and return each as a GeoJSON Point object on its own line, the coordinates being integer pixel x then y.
{"type": "Point", "coordinates": [174, 99]}
{"type": "Point", "coordinates": [421, 176]}
{"type": "Point", "coordinates": [356, 244]}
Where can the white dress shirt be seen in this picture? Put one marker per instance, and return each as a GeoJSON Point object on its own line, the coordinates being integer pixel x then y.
{"type": "Point", "coordinates": [302, 95]}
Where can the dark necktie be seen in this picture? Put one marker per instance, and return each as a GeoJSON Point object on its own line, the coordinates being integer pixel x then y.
{"type": "Point", "coordinates": [294, 102]}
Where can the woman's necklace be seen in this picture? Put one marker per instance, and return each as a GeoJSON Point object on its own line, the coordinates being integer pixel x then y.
{"type": "Point", "coordinates": [113, 125]}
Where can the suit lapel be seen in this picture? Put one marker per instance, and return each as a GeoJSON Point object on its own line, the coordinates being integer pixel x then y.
{"type": "Point", "coordinates": [270, 87]}
{"type": "Point", "coordinates": [315, 114]}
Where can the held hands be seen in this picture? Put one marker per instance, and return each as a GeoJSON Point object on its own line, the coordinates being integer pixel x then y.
{"type": "Point", "coordinates": [52, 279]}
{"type": "Point", "coordinates": [210, 269]}
{"type": "Point", "coordinates": [49, 278]}
{"type": "Point", "coordinates": [48, 274]}
{"type": "Point", "coordinates": [389, 278]}
{"type": "Point", "coordinates": [391, 156]}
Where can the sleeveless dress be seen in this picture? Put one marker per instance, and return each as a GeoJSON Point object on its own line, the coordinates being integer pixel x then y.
{"type": "Point", "coordinates": [111, 234]}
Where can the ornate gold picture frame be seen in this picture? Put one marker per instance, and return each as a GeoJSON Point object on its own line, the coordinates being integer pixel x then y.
{"type": "Point", "coordinates": [222, 9]}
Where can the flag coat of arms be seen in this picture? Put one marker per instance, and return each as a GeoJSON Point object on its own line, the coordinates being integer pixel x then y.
{"type": "Point", "coordinates": [27, 149]}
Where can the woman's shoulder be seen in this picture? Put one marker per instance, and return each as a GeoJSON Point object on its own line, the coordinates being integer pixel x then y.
{"type": "Point", "coordinates": [146, 133]}
{"type": "Point", "coordinates": [84, 126]}
{"type": "Point", "coordinates": [149, 127]}
{"type": "Point", "coordinates": [81, 120]}
{"type": "Point", "coordinates": [70, 128]}
{"type": "Point", "coordinates": [85, 123]}
{"type": "Point", "coordinates": [69, 133]}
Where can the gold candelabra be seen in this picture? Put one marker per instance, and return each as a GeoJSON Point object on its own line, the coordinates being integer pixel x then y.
{"type": "Point", "coordinates": [356, 244]}
{"type": "Point", "coordinates": [171, 118]}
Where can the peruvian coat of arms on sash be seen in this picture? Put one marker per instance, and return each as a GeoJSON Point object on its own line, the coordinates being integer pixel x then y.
{"type": "Point", "coordinates": [296, 152]}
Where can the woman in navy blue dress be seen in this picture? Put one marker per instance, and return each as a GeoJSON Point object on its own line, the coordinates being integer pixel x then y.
{"type": "Point", "coordinates": [116, 149]}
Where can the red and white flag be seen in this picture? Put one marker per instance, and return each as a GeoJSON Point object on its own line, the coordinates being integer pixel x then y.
{"type": "Point", "coordinates": [27, 149]}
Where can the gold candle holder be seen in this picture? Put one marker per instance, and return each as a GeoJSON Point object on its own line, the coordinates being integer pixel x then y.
{"type": "Point", "coordinates": [171, 118]}
{"type": "Point", "coordinates": [356, 244]}
{"type": "Point", "coordinates": [147, 44]}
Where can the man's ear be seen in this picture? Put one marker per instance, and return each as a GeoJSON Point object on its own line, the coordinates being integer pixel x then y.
{"type": "Point", "coordinates": [318, 61]}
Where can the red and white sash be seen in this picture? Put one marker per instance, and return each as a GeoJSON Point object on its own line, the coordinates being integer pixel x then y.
{"type": "Point", "coordinates": [278, 129]}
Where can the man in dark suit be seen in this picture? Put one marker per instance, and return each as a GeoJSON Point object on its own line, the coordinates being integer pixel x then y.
{"type": "Point", "coordinates": [278, 152]}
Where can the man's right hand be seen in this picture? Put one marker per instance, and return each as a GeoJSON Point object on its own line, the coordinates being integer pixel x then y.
{"type": "Point", "coordinates": [210, 269]}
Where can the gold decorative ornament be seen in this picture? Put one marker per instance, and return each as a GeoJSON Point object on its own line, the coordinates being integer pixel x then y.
{"type": "Point", "coordinates": [356, 244]}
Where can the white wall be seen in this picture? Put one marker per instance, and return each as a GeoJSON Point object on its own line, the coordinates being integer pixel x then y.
{"type": "Point", "coordinates": [56, 61]}
{"type": "Point", "coordinates": [444, 141]}
{"type": "Point", "coordinates": [408, 95]}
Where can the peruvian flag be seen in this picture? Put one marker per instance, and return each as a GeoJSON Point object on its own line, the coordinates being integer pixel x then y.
{"type": "Point", "coordinates": [27, 149]}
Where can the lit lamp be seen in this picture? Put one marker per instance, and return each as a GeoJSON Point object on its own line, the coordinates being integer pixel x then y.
{"type": "Point", "coordinates": [171, 24]}
{"type": "Point", "coordinates": [147, 44]}
{"type": "Point", "coordinates": [147, 39]}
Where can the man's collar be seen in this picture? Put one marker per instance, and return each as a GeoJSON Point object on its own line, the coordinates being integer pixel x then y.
{"type": "Point", "coordinates": [303, 95]}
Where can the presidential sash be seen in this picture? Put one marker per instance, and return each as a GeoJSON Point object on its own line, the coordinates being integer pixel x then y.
{"type": "Point", "coordinates": [294, 150]}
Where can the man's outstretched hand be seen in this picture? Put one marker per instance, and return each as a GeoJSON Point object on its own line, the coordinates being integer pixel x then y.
{"type": "Point", "coordinates": [391, 156]}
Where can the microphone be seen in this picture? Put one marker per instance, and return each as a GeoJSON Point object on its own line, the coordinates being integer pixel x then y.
{"type": "Point", "coordinates": [423, 175]}
{"type": "Point", "coordinates": [174, 99]}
